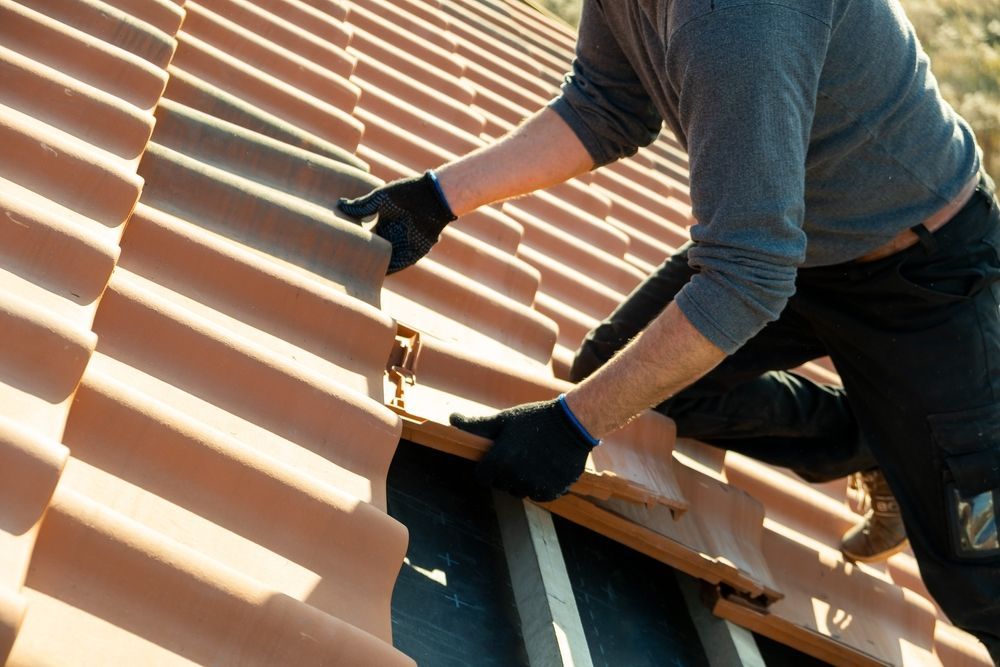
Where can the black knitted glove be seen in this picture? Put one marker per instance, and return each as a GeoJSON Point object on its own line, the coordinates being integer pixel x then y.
{"type": "Point", "coordinates": [537, 449]}
{"type": "Point", "coordinates": [411, 214]}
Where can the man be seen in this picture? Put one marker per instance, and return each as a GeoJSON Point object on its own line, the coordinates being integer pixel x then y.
{"type": "Point", "coordinates": [840, 210]}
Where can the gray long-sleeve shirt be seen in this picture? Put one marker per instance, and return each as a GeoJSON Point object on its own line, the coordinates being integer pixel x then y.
{"type": "Point", "coordinates": [814, 129]}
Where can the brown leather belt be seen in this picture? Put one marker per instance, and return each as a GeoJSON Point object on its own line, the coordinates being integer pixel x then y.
{"type": "Point", "coordinates": [908, 237]}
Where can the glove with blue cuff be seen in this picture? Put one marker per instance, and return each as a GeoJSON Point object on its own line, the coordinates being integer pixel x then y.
{"type": "Point", "coordinates": [539, 449]}
{"type": "Point", "coordinates": [412, 212]}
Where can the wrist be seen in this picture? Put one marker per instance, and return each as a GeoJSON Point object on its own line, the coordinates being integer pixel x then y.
{"type": "Point", "coordinates": [575, 421]}
{"type": "Point", "coordinates": [439, 191]}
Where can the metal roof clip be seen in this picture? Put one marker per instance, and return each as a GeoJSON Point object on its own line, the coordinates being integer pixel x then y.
{"type": "Point", "coordinates": [402, 364]}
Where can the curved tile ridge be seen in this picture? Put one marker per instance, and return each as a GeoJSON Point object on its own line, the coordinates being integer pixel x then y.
{"type": "Point", "coordinates": [422, 24]}
{"type": "Point", "coordinates": [814, 518]}
{"type": "Point", "coordinates": [66, 170]}
{"type": "Point", "coordinates": [33, 230]}
{"type": "Point", "coordinates": [633, 463]}
{"type": "Point", "coordinates": [815, 513]}
{"type": "Point", "coordinates": [385, 107]}
{"type": "Point", "coordinates": [373, 75]}
{"type": "Point", "coordinates": [484, 263]}
{"type": "Point", "coordinates": [199, 94]}
{"type": "Point", "coordinates": [163, 14]}
{"type": "Point", "coordinates": [263, 299]}
{"type": "Point", "coordinates": [524, 47]}
{"type": "Point", "coordinates": [269, 57]}
{"type": "Point", "coordinates": [450, 295]}
{"type": "Point", "coordinates": [30, 468]}
{"type": "Point", "coordinates": [267, 92]}
{"type": "Point", "coordinates": [44, 355]}
{"type": "Point", "coordinates": [554, 31]}
{"type": "Point", "coordinates": [77, 108]}
{"type": "Point", "coordinates": [368, 19]}
{"type": "Point", "coordinates": [93, 569]}
{"type": "Point", "coordinates": [297, 38]}
{"type": "Point", "coordinates": [491, 226]}
{"type": "Point", "coordinates": [329, 25]}
{"type": "Point", "coordinates": [112, 26]}
{"type": "Point", "coordinates": [565, 247]}
{"type": "Point", "coordinates": [207, 490]}
{"type": "Point", "coordinates": [80, 55]}
{"type": "Point", "coordinates": [74, 119]}
{"type": "Point", "coordinates": [258, 394]}
{"type": "Point", "coordinates": [572, 287]}
{"type": "Point", "coordinates": [12, 609]}
{"type": "Point", "coordinates": [267, 219]}
{"type": "Point", "coordinates": [580, 222]}
{"type": "Point", "coordinates": [488, 42]}
{"type": "Point", "coordinates": [296, 171]}
{"type": "Point", "coordinates": [794, 504]}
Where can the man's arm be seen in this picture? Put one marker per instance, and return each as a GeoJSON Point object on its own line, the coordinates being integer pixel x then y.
{"type": "Point", "coordinates": [412, 212]}
{"type": "Point", "coordinates": [542, 152]}
{"type": "Point", "coordinates": [667, 356]}
{"type": "Point", "coordinates": [540, 449]}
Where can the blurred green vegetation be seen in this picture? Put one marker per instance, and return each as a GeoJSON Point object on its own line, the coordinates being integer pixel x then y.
{"type": "Point", "coordinates": [962, 38]}
{"type": "Point", "coordinates": [568, 10]}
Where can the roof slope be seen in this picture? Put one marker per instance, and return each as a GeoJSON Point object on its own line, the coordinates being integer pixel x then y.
{"type": "Point", "coordinates": [194, 444]}
{"type": "Point", "coordinates": [196, 423]}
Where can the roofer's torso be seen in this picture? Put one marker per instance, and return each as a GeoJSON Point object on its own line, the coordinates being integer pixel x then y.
{"type": "Point", "coordinates": [738, 80]}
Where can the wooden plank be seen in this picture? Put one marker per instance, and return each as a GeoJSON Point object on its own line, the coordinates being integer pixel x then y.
{"type": "Point", "coordinates": [725, 644]}
{"type": "Point", "coordinates": [550, 622]}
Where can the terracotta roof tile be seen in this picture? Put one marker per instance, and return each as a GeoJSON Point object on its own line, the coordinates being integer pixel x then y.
{"type": "Point", "coordinates": [58, 100]}
{"type": "Point", "coordinates": [120, 592]}
{"type": "Point", "coordinates": [237, 390]}
{"type": "Point", "coordinates": [206, 489]}
{"type": "Point", "coordinates": [196, 93]}
{"type": "Point", "coordinates": [113, 26]}
{"type": "Point", "coordinates": [290, 67]}
{"type": "Point", "coordinates": [267, 92]}
{"type": "Point", "coordinates": [281, 31]}
{"type": "Point", "coordinates": [257, 514]}
{"type": "Point", "coordinates": [81, 56]}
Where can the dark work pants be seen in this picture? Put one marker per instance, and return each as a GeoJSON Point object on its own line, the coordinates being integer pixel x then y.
{"type": "Point", "coordinates": [915, 338]}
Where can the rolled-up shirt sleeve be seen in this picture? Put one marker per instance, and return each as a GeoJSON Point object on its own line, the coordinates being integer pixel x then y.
{"type": "Point", "coordinates": [746, 106]}
{"type": "Point", "coordinates": [602, 100]}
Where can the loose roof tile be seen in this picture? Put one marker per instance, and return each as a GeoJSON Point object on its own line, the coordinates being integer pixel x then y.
{"type": "Point", "coordinates": [632, 464]}
{"type": "Point", "coordinates": [718, 540]}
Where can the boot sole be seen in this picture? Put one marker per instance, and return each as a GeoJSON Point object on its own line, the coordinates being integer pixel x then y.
{"type": "Point", "coordinates": [880, 556]}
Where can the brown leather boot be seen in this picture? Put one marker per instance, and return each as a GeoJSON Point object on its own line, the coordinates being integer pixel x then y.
{"type": "Point", "coordinates": [880, 533]}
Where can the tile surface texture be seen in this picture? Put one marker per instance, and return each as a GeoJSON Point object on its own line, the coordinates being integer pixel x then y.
{"type": "Point", "coordinates": [205, 374]}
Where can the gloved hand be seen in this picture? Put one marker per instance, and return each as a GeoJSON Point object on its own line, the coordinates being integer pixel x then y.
{"type": "Point", "coordinates": [539, 449]}
{"type": "Point", "coordinates": [411, 214]}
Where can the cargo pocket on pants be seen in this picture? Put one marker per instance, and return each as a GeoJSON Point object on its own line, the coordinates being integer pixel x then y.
{"type": "Point", "coordinates": [969, 442]}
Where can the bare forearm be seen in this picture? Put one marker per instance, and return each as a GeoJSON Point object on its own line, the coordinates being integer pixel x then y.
{"type": "Point", "coordinates": [668, 356]}
{"type": "Point", "coordinates": [540, 153]}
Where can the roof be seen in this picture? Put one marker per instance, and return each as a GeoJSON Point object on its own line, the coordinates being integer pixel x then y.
{"type": "Point", "coordinates": [195, 414]}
